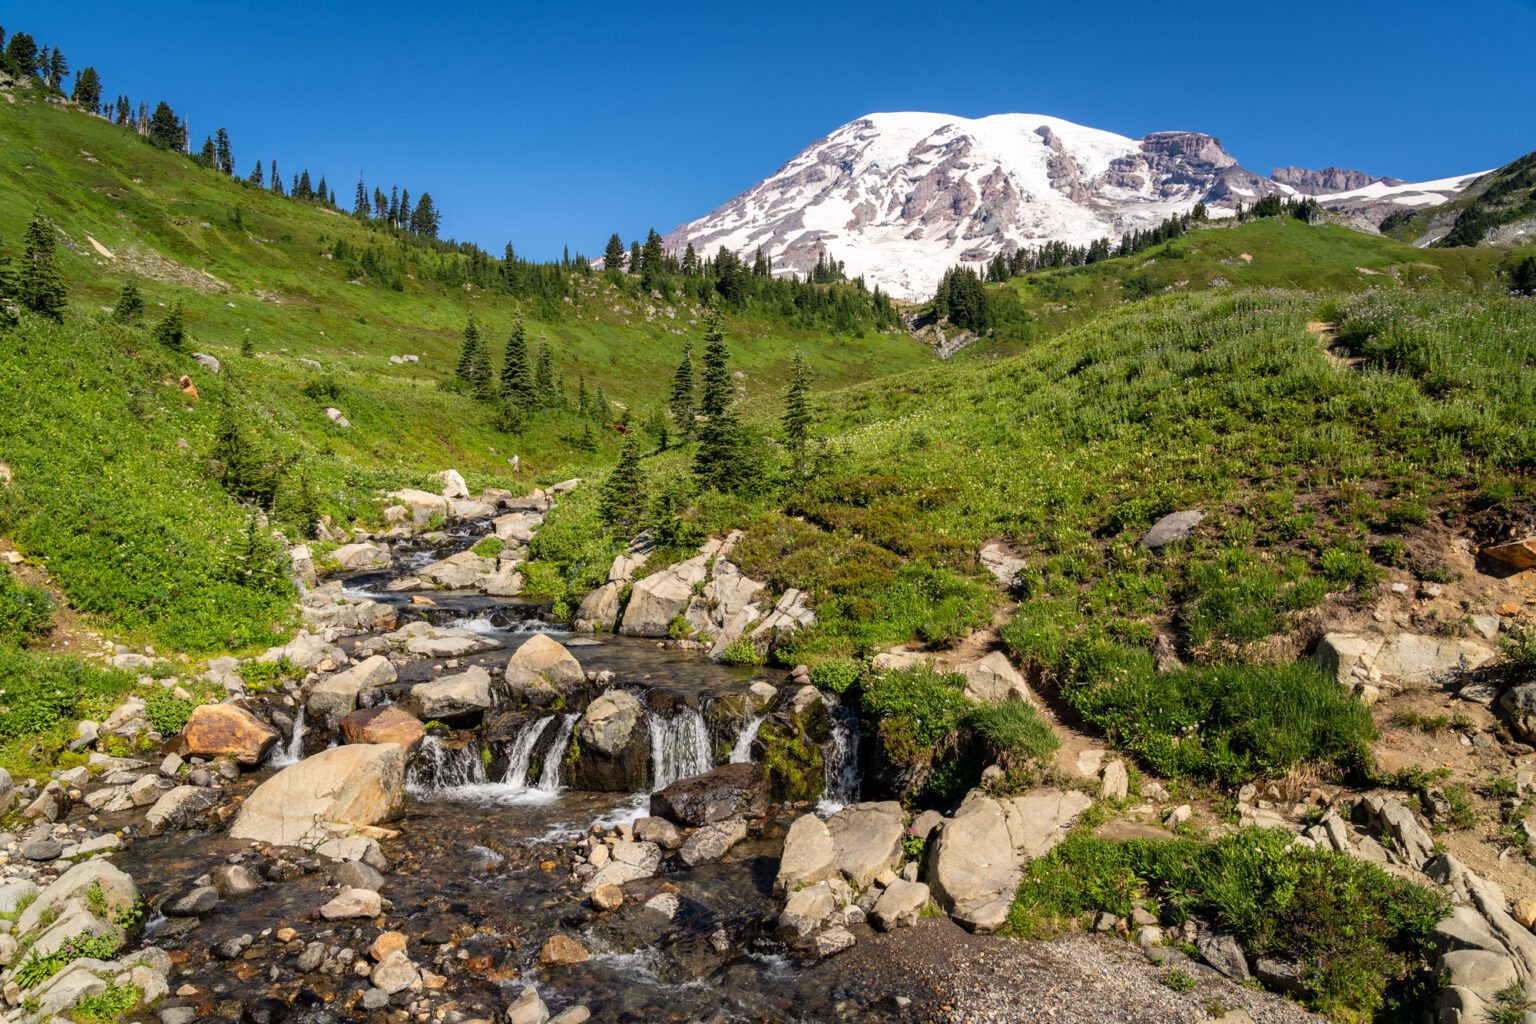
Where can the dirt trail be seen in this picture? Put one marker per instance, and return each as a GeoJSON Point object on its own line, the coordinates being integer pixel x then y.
{"type": "Point", "coordinates": [1327, 332]}
{"type": "Point", "coordinates": [68, 632]}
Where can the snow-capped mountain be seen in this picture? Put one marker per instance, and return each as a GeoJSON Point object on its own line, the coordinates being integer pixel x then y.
{"type": "Point", "coordinates": [901, 197]}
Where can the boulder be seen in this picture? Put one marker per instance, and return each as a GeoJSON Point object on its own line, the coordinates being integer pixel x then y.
{"type": "Point", "coordinates": [1175, 526]}
{"type": "Point", "coordinates": [628, 862]}
{"type": "Point", "coordinates": [805, 910]}
{"type": "Point", "coordinates": [362, 555]}
{"type": "Point", "coordinates": [394, 973]}
{"type": "Point", "coordinates": [543, 663]}
{"type": "Point", "coordinates": [528, 1008]}
{"type": "Point", "coordinates": [661, 597]}
{"type": "Point", "coordinates": [1114, 781]}
{"type": "Point", "coordinates": [1409, 658]}
{"type": "Point", "coordinates": [830, 942]}
{"type": "Point", "coordinates": [599, 610]}
{"type": "Point", "coordinates": [561, 951]}
{"type": "Point", "coordinates": [1002, 563]}
{"type": "Point", "coordinates": [611, 751]}
{"type": "Point", "coordinates": [463, 695]}
{"type": "Point", "coordinates": [712, 842]}
{"type": "Point", "coordinates": [225, 730]}
{"type": "Point", "coordinates": [448, 643]}
{"type": "Point", "coordinates": [789, 616]}
{"type": "Point", "coordinates": [866, 840]}
{"type": "Point", "coordinates": [1342, 654]}
{"type": "Point", "coordinates": [809, 855]}
{"type": "Point", "coordinates": [506, 581]}
{"type": "Point", "coordinates": [180, 807]}
{"type": "Point", "coordinates": [351, 903]}
{"type": "Point", "coordinates": [1518, 555]}
{"type": "Point", "coordinates": [993, 679]}
{"type": "Point", "coordinates": [720, 793]}
{"type": "Point", "coordinates": [356, 784]}
{"type": "Point", "coordinates": [386, 724]}
{"type": "Point", "coordinates": [453, 485]}
{"type": "Point", "coordinates": [119, 891]}
{"type": "Point", "coordinates": [659, 831]}
{"type": "Point", "coordinates": [1222, 951]}
{"type": "Point", "coordinates": [899, 905]}
{"type": "Point", "coordinates": [335, 696]}
{"type": "Point", "coordinates": [306, 650]}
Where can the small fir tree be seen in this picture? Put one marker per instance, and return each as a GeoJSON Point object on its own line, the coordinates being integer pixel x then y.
{"type": "Point", "coordinates": [39, 283]}
{"type": "Point", "coordinates": [619, 500]}
{"type": "Point", "coordinates": [680, 400]}
{"type": "Point", "coordinates": [171, 331]}
{"type": "Point", "coordinates": [130, 304]}
{"type": "Point", "coordinates": [797, 415]}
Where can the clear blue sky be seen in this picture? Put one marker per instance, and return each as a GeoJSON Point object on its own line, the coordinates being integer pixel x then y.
{"type": "Point", "coordinates": [558, 123]}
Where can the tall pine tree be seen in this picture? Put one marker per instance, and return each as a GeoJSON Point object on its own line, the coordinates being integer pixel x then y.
{"type": "Point", "coordinates": [39, 284]}
{"type": "Point", "coordinates": [619, 499]}
{"type": "Point", "coordinates": [721, 461]}
{"type": "Point", "coordinates": [613, 256]}
{"type": "Point", "coordinates": [797, 415]}
{"type": "Point", "coordinates": [517, 383]}
{"type": "Point", "coordinates": [680, 401]}
{"type": "Point", "coordinates": [130, 304]}
{"type": "Point", "coordinates": [469, 355]}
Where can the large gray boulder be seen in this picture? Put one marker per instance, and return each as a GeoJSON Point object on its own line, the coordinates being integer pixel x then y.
{"type": "Point", "coordinates": [599, 610]}
{"type": "Point", "coordinates": [1175, 526]}
{"type": "Point", "coordinates": [611, 750]}
{"type": "Point", "coordinates": [363, 555]}
{"type": "Point", "coordinates": [335, 697]}
{"type": "Point", "coordinates": [459, 571]}
{"type": "Point", "coordinates": [993, 679]}
{"type": "Point", "coordinates": [463, 695]}
{"type": "Point", "coordinates": [809, 855]}
{"type": "Point", "coordinates": [356, 784]}
{"type": "Point", "coordinates": [541, 669]}
{"type": "Point", "coordinates": [661, 597]}
{"type": "Point", "coordinates": [720, 793]}
{"type": "Point", "coordinates": [866, 840]}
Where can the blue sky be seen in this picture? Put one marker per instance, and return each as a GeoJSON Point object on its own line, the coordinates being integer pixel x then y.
{"type": "Point", "coordinates": [559, 123]}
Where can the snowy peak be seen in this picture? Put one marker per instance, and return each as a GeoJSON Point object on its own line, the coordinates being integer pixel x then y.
{"type": "Point", "coordinates": [901, 197]}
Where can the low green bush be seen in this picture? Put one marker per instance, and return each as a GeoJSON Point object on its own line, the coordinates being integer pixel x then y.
{"type": "Point", "coordinates": [489, 547]}
{"type": "Point", "coordinates": [837, 675]}
{"type": "Point", "coordinates": [1015, 731]}
{"type": "Point", "coordinates": [24, 611]}
{"type": "Point", "coordinates": [1360, 933]}
{"type": "Point", "coordinates": [740, 652]}
{"type": "Point", "coordinates": [924, 704]}
{"type": "Point", "coordinates": [38, 694]}
{"type": "Point", "coordinates": [167, 712]}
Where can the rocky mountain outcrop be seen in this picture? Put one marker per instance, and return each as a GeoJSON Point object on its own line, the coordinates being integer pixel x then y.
{"type": "Point", "coordinates": [1329, 179]}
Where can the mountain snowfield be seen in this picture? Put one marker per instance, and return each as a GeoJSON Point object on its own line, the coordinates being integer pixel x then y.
{"type": "Point", "coordinates": [901, 197]}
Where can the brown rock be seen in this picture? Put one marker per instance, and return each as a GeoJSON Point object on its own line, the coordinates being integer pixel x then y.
{"type": "Point", "coordinates": [1525, 911]}
{"type": "Point", "coordinates": [286, 935]}
{"type": "Point", "coordinates": [561, 951]}
{"type": "Point", "coordinates": [387, 724]}
{"type": "Point", "coordinates": [356, 784]}
{"type": "Point", "coordinates": [1509, 608]}
{"type": "Point", "coordinates": [187, 387]}
{"type": "Point", "coordinates": [387, 943]}
{"type": "Point", "coordinates": [607, 897]}
{"type": "Point", "coordinates": [219, 730]}
{"type": "Point", "coordinates": [1520, 554]}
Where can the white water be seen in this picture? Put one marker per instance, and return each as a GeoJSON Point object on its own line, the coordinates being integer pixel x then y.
{"type": "Point", "coordinates": [293, 753]}
{"type": "Point", "coordinates": [741, 753]}
{"type": "Point", "coordinates": [679, 748]}
{"type": "Point", "coordinates": [522, 753]}
{"type": "Point", "coordinates": [438, 767]}
{"type": "Point", "coordinates": [842, 760]}
{"type": "Point", "coordinates": [549, 776]}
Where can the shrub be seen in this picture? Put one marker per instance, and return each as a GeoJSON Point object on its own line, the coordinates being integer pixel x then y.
{"type": "Point", "coordinates": [489, 547]}
{"type": "Point", "coordinates": [24, 611]}
{"type": "Point", "coordinates": [837, 675]}
{"type": "Point", "coordinates": [1016, 731]}
{"type": "Point", "coordinates": [928, 704]}
{"type": "Point", "coordinates": [741, 651]}
{"type": "Point", "coordinates": [40, 693]}
{"type": "Point", "coordinates": [1361, 932]}
{"type": "Point", "coordinates": [167, 712]}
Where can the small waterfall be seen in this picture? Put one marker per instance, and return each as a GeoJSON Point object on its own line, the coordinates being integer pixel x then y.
{"type": "Point", "coordinates": [549, 777]}
{"type": "Point", "coordinates": [842, 760]}
{"type": "Point", "coordinates": [522, 752]}
{"type": "Point", "coordinates": [439, 766]}
{"type": "Point", "coordinates": [741, 753]}
{"type": "Point", "coordinates": [679, 748]}
{"type": "Point", "coordinates": [293, 753]}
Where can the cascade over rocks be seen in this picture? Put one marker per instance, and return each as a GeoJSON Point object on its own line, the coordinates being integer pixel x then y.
{"type": "Point", "coordinates": [610, 751]}
{"type": "Point", "coordinates": [466, 694]}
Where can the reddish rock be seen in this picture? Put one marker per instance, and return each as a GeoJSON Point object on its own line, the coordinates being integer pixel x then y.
{"type": "Point", "coordinates": [224, 730]}
{"type": "Point", "coordinates": [386, 724]}
{"type": "Point", "coordinates": [1519, 555]}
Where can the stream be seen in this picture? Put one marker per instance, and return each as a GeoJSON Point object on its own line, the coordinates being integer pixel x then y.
{"type": "Point", "coordinates": [480, 874]}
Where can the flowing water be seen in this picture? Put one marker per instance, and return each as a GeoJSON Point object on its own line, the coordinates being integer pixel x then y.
{"type": "Point", "coordinates": [741, 753]}
{"type": "Point", "coordinates": [471, 870]}
{"type": "Point", "coordinates": [293, 753]}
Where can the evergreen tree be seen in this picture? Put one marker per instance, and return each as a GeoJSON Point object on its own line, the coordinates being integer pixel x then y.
{"type": "Point", "coordinates": [277, 179]}
{"type": "Point", "coordinates": [602, 411]}
{"type": "Point", "coordinates": [394, 206]}
{"type": "Point", "coordinates": [652, 261]}
{"type": "Point", "coordinates": [130, 304]}
{"type": "Point", "coordinates": [209, 156]}
{"type": "Point", "coordinates": [424, 221]}
{"type": "Point", "coordinates": [304, 190]}
{"type": "Point", "coordinates": [546, 388]}
{"type": "Point", "coordinates": [634, 257]}
{"type": "Point", "coordinates": [256, 179]}
{"type": "Point", "coordinates": [39, 284]}
{"type": "Point", "coordinates": [87, 91]}
{"type": "Point", "coordinates": [225, 158]}
{"type": "Point", "coordinates": [58, 68]}
{"type": "Point", "coordinates": [380, 204]}
{"type": "Point", "coordinates": [722, 459]}
{"type": "Point", "coordinates": [405, 209]}
{"type": "Point", "coordinates": [797, 415]}
{"type": "Point", "coordinates": [322, 190]}
{"type": "Point", "coordinates": [656, 426]}
{"type": "Point", "coordinates": [469, 354]}
{"type": "Point", "coordinates": [296, 503]}
{"type": "Point", "coordinates": [619, 499]}
{"type": "Point", "coordinates": [21, 55]}
{"type": "Point", "coordinates": [165, 127]}
{"type": "Point", "coordinates": [613, 256]}
{"type": "Point", "coordinates": [360, 205]}
{"type": "Point", "coordinates": [680, 400]}
{"type": "Point", "coordinates": [171, 331]}
{"type": "Point", "coordinates": [690, 261]}
{"type": "Point", "coordinates": [517, 382]}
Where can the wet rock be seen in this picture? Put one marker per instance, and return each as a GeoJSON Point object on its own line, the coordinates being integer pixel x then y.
{"type": "Point", "coordinates": [232, 881]}
{"type": "Point", "coordinates": [809, 855]}
{"type": "Point", "coordinates": [659, 831]}
{"type": "Point", "coordinates": [385, 724]}
{"type": "Point", "coordinates": [528, 1008]}
{"type": "Point", "coordinates": [395, 973]}
{"type": "Point", "coordinates": [719, 793]}
{"type": "Point", "coordinates": [899, 905]}
{"type": "Point", "coordinates": [42, 850]}
{"type": "Point", "coordinates": [574, 1015]}
{"type": "Point", "coordinates": [356, 784]}
{"type": "Point", "coordinates": [195, 902]}
{"type": "Point", "coordinates": [630, 861]}
{"type": "Point", "coordinates": [712, 842]}
{"type": "Point", "coordinates": [831, 942]}
{"type": "Point", "coordinates": [607, 896]}
{"type": "Point", "coordinates": [365, 555]}
{"type": "Point", "coordinates": [355, 874]}
{"type": "Point", "coordinates": [231, 949]}
{"type": "Point", "coordinates": [336, 696]}
{"type": "Point", "coordinates": [542, 669]}
{"type": "Point", "coordinates": [1175, 526]}
{"type": "Point", "coordinates": [561, 951]}
{"type": "Point", "coordinates": [181, 807]}
{"type": "Point", "coordinates": [612, 753]}
{"type": "Point", "coordinates": [464, 695]}
{"type": "Point", "coordinates": [805, 910]}
{"type": "Point", "coordinates": [353, 903]}
{"type": "Point", "coordinates": [385, 944]}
